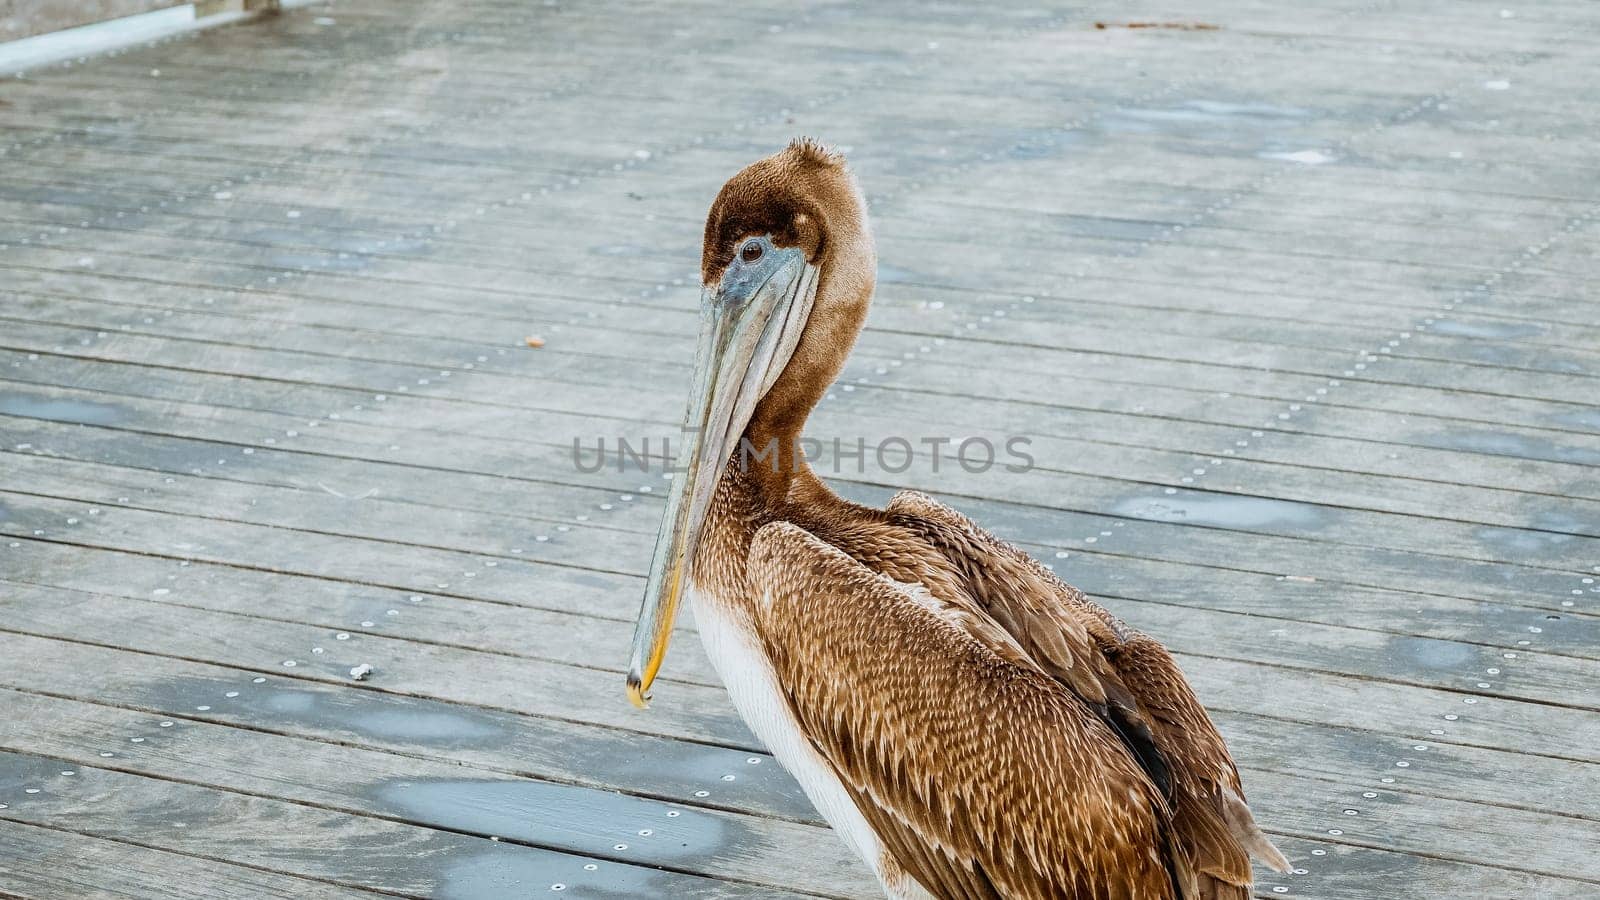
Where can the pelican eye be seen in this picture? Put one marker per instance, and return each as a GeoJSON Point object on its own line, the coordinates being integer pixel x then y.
{"type": "Point", "coordinates": [751, 251]}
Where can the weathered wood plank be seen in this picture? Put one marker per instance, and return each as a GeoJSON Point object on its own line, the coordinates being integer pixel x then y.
{"type": "Point", "coordinates": [1259, 742]}
{"type": "Point", "coordinates": [1152, 414]}
{"type": "Point", "coordinates": [190, 746]}
{"type": "Point", "coordinates": [500, 526]}
{"type": "Point", "coordinates": [48, 863]}
{"type": "Point", "coordinates": [407, 668]}
{"type": "Point", "coordinates": [915, 236]}
{"type": "Point", "coordinates": [505, 743]}
{"type": "Point", "coordinates": [504, 621]}
{"type": "Point", "coordinates": [1281, 330]}
{"type": "Point", "coordinates": [465, 735]}
{"type": "Point", "coordinates": [1555, 541]}
{"type": "Point", "coordinates": [699, 713]}
{"type": "Point", "coordinates": [200, 233]}
{"type": "Point", "coordinates": [944, 374]}
{"type": "Point", "coordinates": [29, 17]}
{"type": "Point", "coordinates": [1488, 491]}
{"type": "Point", "coordinates": [386, 522]}
{"type": "Point", "coordinates": [1429, 401]}
{"type": "Point", "coordinates": [1049, 531]}
{"type": "Point", "coordinates": [387, 856]}
{"type": "Point", "coordinates": [576, 820]}
{"type": "Point", "coordinates": [133, 343]}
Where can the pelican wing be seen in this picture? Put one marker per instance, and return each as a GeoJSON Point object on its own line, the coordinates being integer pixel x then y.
{"type": "Point", "coordinates": [1211, 820]}
{"type": "Point", "coordinates": [981, 776]}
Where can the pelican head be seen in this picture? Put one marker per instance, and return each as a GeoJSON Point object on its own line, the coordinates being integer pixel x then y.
{"type": "Point", "coordinates": [787, 272]}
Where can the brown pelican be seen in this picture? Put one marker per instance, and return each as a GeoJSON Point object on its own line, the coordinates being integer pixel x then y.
{"type": "Point", "coordinates": [971, 725]}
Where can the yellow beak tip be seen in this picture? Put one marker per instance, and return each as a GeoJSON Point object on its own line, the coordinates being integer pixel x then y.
{"type": "Point", "coordinates": [636, 692]}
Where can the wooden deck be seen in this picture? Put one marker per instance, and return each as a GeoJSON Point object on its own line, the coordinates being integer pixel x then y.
{"type": "Point", "coordinates": [1298, 312]}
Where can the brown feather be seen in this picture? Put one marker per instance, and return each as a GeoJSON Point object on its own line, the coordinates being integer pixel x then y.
{"type": "Point", "coordinates": [1213, 823]}
{"type": "Point", "coordinates": [1003, 785]}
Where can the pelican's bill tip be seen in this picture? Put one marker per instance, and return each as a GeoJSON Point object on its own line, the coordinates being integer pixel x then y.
{"type": "Point", "coordinates": [637, 694]}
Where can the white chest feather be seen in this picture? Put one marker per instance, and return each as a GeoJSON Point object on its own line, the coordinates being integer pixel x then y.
{"type": "Point", "coordinates": [742, 663]}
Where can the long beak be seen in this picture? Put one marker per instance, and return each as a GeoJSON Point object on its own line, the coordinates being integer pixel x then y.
{"type": "Point", "coordinates": [750, 324]}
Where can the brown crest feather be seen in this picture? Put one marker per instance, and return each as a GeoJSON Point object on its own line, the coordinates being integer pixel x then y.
{"type": "Point", "coordinates": [813, 151]}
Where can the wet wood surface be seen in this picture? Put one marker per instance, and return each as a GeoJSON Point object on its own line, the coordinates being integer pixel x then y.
{"type": "Point", "coordinates": [1295, 312]}
{"type": "Point", "coordinates": [23, 18]}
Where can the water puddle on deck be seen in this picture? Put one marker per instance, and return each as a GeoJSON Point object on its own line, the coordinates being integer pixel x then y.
{"type": "Point", "coordinates": [693, 773]}
{"type": "Point", "coordinates": [386, 719]}
{"type": "Point", "coordinates": [28, 775]}
{"type": "Point", "coordinates": [600, 582]}
{"type": "Point", "coordinates": [1501, 443]}
{"type": "Point", "coordinates": [888, 274]}
{"type": "Point", "coordinates": [1584, 420]}
{"type": "Point", "coordinates": [1433, 655]}
{"type": "Point", "coordinates": [383, 718]}
{"type": "Point", "coordinates": [1543, 359]}
{"type": "Point", "coordinates": [1551, 533]}
{"type": "Point", "coordinates": [591, 842]}
{"type": "Point", "coordinates": [574, 819]}
{"type": "Point", "coordinates": [1203, 117]}
{"type": "Point", "coordinates": [1044, 143]}
{"type": "Point", "coordinates": [342, 261]}
{"type": "Point", "coordinates": [1222, 511]}
{"type": "Point", "coordinates": [713, 775]}
{"type": "Point", "coordinates": [509, 871]}
{"type": "Point", "coordinates": [1484, 329]}
{"type": "Point", "coordinates": [632, 250]}
{"type": "Point", "coordinates": [74, 412]}
{"type": "Point", "coordinates": [1311, 157]}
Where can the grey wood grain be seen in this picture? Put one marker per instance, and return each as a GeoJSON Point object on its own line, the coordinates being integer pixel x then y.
{"type": "Point", "coordinates": [698, 712]}
{"type": "Point", "coordinates": [567, 818]}
{"type": "Point", "coordinates": [952, 384]}
{"type": "Point", "coordinates": [388, 856]}
{"type": "Point", "coordinates": [496, 628]}
{"type": "Point", "coordinates": [1363, 650]}
{"type": "Point", "coordinates": [1375, 505]}
{"type": "Point", "coordinates": [1051, 531]}
{"type": "Point", "coordinates": [1428, 497]}
{"type": "Point", "coordinates": [508, 622]}
{"type": "Point", "coordinates": [1154, 250]}
{"type": "Point", "coordinates": [1561, 378]}
{"type": "Point", "coordinates": [44, 863]}
{"type": "Point", "coordinates": [191, 746]}
{"type": "Point", "coordinates": [28, 17]}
